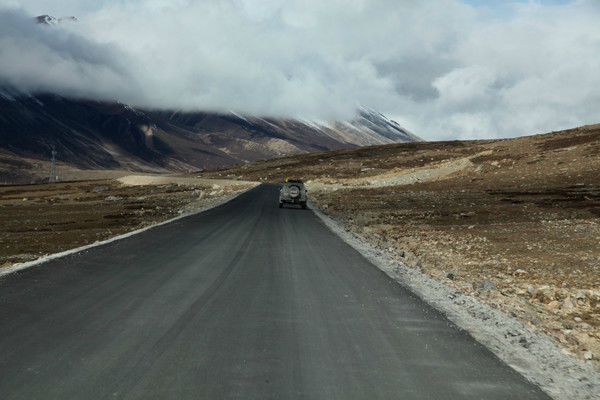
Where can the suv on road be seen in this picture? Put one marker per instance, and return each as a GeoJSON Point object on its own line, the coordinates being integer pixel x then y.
{"type": "Point", "coordinates": [292, 192]}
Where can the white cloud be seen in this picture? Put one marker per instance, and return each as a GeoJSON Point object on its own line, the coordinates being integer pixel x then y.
{"type": "Point", "coordinates": [442, 68]}
{"type": "Point", "coordinates": [36, 57]}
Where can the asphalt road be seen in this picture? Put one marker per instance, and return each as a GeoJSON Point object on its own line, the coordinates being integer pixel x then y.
{"type": "Point", "coordinates": [244, 301]}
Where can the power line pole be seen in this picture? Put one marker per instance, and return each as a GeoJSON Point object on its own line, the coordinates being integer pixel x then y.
{"type": "Point", "coordinates": [52, 177]}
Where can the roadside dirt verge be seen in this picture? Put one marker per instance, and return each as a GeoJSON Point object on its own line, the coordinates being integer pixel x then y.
{"type": "Point", "coordinates": [38, 220]}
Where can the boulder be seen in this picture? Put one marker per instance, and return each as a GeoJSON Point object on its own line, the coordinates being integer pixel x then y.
{"type": "Point", "coordinates": [99, 189]}
{"type": "Point", "coordinates": [554, 304]}
{"type": "Point", "coordinates": [543, 294]}
{"type": "Point", "coordinates": [520, 272]}
{"type": "Point", "coordinates": [568, 304]}
{"type": "Point", "coordinates": [486, 284]}
{"type": "Point", "coordinates": [113, 198]}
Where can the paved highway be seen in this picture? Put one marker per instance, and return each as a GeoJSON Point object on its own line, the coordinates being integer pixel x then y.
{"type": "Point", "coordinates": [244, 301]}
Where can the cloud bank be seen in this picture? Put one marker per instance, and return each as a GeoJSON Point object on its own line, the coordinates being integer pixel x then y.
{"type": "Point", "coordinates": [442, 68]}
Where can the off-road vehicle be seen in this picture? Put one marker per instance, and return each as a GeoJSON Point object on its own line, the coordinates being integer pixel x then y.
{"type": "Point", "coordinates": [292, 192]}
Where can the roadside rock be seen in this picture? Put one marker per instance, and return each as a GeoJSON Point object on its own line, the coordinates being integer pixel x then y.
{"type": "Point", "coordinates": [554, 304]}
{"type": "Point", "coordinates": [568, 304]}
{"type": "Point", "coordinates": [113, 198]}
{"type": "Point", "coordinates": [543, 294]}
{"type": "Point", "coordinates": [485, 285]}
{"type": "Point", "coordinates": [100, 189]}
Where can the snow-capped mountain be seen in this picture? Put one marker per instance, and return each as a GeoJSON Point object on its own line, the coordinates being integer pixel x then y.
{"type": "Point", "coordinates": [94, 134]}
{"type": "Point", "coordinates": [50, 20]}
{"type": "Point", "coordinates": [368, 128]}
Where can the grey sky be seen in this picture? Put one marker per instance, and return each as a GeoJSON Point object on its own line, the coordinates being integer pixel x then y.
{"type": "Point", "coordinates": [445, 69]}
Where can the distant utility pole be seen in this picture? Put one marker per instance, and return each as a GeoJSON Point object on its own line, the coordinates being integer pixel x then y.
{"type": "Point", "coordinates": [52, 177]}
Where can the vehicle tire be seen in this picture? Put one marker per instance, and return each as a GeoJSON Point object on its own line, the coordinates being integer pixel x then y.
{"type": "Point", "coordinates": [303, 206]}
{"type": "Point", "coordinates": [294, 191]}
{"type": "Point", "coordinates": [280, 205]}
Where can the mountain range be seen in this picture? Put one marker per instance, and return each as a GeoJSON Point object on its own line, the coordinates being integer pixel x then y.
{"type": "Point", "coordinates": [91, 134]}
{"type": "Point", "coordinates": [110, 135]}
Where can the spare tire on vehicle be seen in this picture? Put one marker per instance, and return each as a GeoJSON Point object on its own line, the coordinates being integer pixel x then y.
{"type": "Point", "coordinates": [294, 191]}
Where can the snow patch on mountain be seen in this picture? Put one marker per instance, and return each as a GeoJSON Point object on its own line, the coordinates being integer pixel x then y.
{"type": "Point", "coordinates": [7, 96]}
{"type": "Point", "coordinates": [50, 20]}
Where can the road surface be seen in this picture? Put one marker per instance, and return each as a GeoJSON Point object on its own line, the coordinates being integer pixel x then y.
{"type": "Point", "coordinates": [244, 301]}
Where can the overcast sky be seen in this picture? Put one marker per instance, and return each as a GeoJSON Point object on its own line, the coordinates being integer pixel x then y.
{"type": "Point", "coordinates": [444, 69]}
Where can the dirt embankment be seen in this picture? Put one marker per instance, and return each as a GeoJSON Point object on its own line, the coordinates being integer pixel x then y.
{"type": "Point", "coordinates": [43, 219]}
{"type": "Point", "coordinates": [515, 223]}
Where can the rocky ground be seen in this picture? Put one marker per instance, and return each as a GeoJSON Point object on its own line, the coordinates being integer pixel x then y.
{"type": "Point", "coordinates": [42, 219]}
{"type": "Point", "coordinates": [514, 223]}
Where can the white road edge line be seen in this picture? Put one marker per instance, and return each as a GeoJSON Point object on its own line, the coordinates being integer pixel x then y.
{"type": "Point", "coordinates": [525, 349]}
{"type": "Point", "coordinates": [21, 266]}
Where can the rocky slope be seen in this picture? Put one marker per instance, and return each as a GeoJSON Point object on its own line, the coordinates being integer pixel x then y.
{"type": "Point", "coordinates": [101, 135]}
